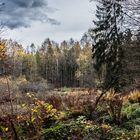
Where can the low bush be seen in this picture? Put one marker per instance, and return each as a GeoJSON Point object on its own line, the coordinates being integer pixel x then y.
{"type": "Point", "coordinates": [131, 111]}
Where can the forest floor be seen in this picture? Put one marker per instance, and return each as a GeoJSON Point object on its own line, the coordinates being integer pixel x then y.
{"type": "Point", "coordinates": [36, 111]}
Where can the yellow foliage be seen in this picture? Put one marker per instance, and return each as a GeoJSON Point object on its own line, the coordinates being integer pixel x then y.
{"type": "Point", "coordinates": [23, 105]}
{"type": "Point", "coordinates": [105, 126]}
{"type": "Point", "coordinates": [30, 95]}
{"type": "Point", "coordinates": [20, 53]}
{"type": "Point", "coordinates": [34, 110]}
{"type": "Point", "coordinates": [2, 51]}
{"type": "Point", "coordinates": [6, 129]}
{"type": "Point", "coordinates": [33, 119]}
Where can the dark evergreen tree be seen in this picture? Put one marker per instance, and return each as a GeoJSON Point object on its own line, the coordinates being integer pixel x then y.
{"type": "Point", "coordinates": [107, 50]}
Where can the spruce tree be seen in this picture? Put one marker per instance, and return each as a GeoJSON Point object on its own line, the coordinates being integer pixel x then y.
{"type": "Point", "coordinates": [107, 50]}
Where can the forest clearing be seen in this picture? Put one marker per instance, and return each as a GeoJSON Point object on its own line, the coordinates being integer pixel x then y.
{"type": "Point", "coordinates": [76, 89]}
{"type": "Point", "coordinates": [67, 113]}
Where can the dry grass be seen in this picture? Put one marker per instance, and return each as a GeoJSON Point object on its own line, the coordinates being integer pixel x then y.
{"type": "Point", "coordinates": [72, 99]}
{"type": "Point", "coordinates": [134, 96]}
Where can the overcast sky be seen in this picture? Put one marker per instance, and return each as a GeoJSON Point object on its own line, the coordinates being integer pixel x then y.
{"type": "Point", "coordinates": [30, 21]}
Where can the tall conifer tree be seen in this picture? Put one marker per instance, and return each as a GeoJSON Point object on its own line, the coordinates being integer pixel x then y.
{"type": "Point", "coordinates": [107, 50]}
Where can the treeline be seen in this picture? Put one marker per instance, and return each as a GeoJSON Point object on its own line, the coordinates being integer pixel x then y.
{"type": "Point", "coordinates": [70, 63]}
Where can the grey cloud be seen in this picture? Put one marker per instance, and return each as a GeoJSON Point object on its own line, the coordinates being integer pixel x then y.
{"type": "Point", "coordinates": [20, 13]}
{"type": "Point", "coordinates": [30, 3]}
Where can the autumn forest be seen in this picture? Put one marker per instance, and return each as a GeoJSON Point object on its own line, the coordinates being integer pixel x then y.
{"type": "Point", "coordinates": [87, 89]}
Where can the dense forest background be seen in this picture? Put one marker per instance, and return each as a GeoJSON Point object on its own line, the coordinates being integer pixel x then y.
{"type": "Point", "coordinates": [70, 63]}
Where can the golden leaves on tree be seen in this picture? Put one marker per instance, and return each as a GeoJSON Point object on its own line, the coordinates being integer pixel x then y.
{"type": "Point", "coordinates": [3, 54]}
